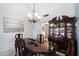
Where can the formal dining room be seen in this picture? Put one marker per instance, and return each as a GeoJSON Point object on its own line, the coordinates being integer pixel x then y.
{"type": "Point", "coordinates": [39, 29]}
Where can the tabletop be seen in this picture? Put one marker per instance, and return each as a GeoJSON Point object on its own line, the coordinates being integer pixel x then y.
{"type": "Point", "coordinates": [35, 46]}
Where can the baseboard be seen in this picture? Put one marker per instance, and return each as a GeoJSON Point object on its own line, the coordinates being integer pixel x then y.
{"type": "Point", "coordinates": [10, 52]}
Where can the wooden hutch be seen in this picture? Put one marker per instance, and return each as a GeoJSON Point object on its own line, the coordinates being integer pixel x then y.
{"type": "Point", "coordinates": [61, 31]}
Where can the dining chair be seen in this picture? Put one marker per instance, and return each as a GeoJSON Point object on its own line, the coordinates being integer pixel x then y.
{"type": "Point", "coordinates": [40, 38]}
{"type": "Point", "coordinates": [19, 45]}
{"type": "Point", "coordinates": [20, 48]}
{"type": "Point", "coordinates": [18, 36]}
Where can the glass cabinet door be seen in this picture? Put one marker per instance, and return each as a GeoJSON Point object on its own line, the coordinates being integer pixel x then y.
{"type": "Point", "coordinates": [56, 32]}
{"type": "Point", "coordinates": [62, 30]}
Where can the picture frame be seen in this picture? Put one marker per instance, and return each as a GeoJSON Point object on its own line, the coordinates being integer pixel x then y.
{"type": "Point", "coordinates": [12, 24]}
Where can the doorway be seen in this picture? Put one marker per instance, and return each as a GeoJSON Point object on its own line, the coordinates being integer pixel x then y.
{"type": "Point", "coordinates": [45, 28]}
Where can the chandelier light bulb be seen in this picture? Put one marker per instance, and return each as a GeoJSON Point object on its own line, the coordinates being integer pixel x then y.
{"type": "Point", "coordinates": [29, 15]}
{"type": "Point", "coordinates": [38, 17]}
{"type": "Point", "coordinates": [35, 14]}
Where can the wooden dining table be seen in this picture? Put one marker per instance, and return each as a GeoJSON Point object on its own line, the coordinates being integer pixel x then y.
{"type": "Point", "coordinates": [36, 47]}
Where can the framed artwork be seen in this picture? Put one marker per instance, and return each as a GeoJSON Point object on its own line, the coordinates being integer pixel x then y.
{"type": "Point", "coordinates": [13, 25]}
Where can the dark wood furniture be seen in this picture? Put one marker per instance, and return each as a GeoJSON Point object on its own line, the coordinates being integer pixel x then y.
{"type": "Point", "coordinates": [62, 35]}
{"type": "Point", "coordinates": [19, 45]}
{"type": "Point", "coordinates": [40, 38]}
{"type": "Point", "coordinates": [70, 50]}
{"type": "Point", "coordinates": [19, 36]}
{"type": "Point", "coordinates": [36, 47]}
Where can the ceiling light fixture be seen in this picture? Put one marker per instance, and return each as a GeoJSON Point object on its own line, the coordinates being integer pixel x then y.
{"type": "Point", "coordinates": [33, 17]}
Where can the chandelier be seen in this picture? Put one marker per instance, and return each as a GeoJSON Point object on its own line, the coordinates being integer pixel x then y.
{"type": "Point", "coordinates": [33, 17]}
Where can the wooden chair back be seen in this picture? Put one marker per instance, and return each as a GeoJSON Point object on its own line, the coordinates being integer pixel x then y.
{"type": "Point", "coordinates": [20, 45]}
{"type": "Point", "coordinates": [40, 38]}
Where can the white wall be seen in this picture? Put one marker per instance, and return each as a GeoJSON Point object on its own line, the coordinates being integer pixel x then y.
{"type": "Point", "coordinates": [18, 11]}
{"type": "Point", "coordinates": [53, 9]}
